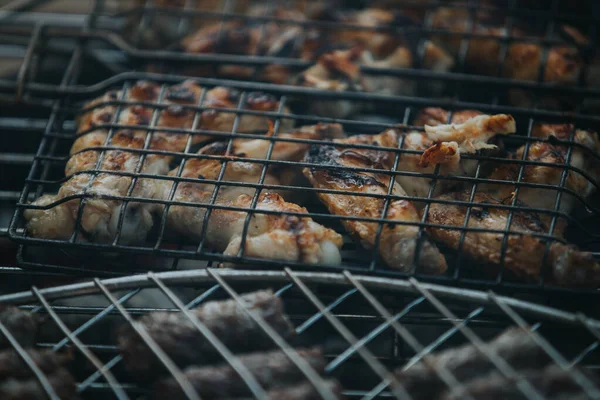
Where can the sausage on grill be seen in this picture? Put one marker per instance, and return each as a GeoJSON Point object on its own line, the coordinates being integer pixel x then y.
{"type": "Point", "coordinates": [273, 369]}
{"type": "Point", "coordinates": [466, 363]}
{"type": "Point", "coordinates": [552, 382]}
{"type": "Point", "coordinates": [22, 325]}
{"type": "Point", "coordinates": [185, 345]}
{"type": "Point", "coordinates": [17, 380]}
{"type": "Point", "coordinates": [304, 391]}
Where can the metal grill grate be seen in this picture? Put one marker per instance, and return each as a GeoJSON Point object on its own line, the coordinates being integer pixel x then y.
{"type": "Point", "coordinates": [97, 44]}
{"type": "Point", "coordinates": [371, 325]}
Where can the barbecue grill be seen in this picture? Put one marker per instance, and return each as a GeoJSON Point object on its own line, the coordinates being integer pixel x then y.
{"type": "Point", "coordinates": [371, 325]}
{"type": "Point", "coordinates": [99, 57]}
{"type": "Point", "coordinates": [59, 54]}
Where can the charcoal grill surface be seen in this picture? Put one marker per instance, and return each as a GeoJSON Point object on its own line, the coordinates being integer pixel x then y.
{"type": "Point", "coordinates": [99, 56]}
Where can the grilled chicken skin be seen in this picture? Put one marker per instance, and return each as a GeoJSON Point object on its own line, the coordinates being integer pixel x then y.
{"type": "Point", "coordinates": [339, 71]}
{"type": "Point", "coordinates": [273, 236]}
{"type": "Point", "coordinates": [397, 242]}
{"type": "Point", "coordinates": [440, 143]}
{"type": "Point", "coordinates": [563, 63]}
{"type": "Point", "coordinates": [524, 253]}
{"type": "Point", "coordinates": [551, 162]}
{"type": "Point", "coordinates": [101, 215]}
{"type": "Point", "coordinates": [332, 49]}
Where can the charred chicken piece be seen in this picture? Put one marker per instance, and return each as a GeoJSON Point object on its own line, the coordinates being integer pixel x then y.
{"type": "Point", "coordinates": [271, 370]}
{"type": "Point", "coordinates": [18, 382]}
{"type": "Point", "coordinates": [185, 345]}
{"type": "Point", "coordinates": [551, 382]}
{"type": "Point", "coordinates": [466, 363]}
{"type": "Point", "coordinates": [100, 218]}
{"type": "Point", "coordinates": [398, 242]}
{"type": "Point", "coordinates": [443, 142]}
{"type": "Point", "coordinates": [23, 325]}
{"type": "Point", "coordinates": [585, 149]}
{"type": "Point", "coordinates": [524, 255]}
{"type": "Point", "coordinates": [340, 71]}
{"type": "Point", "coordinates": [254, 37]}
{"type": "Point", "coordinates": [563, 62]}
{"type": "Point", "coordinates": [273, 236]}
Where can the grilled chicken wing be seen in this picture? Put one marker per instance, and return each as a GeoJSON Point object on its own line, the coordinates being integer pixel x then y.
{"type": "Point", "coordinates": [100, 217]}
{"type": "Point", "coordinates": [552, 159]}
{"type": "Point", "coordinates": [398, 242]}
{"type": "Point", "coordinates": [340, 71]}
{"type": "Point", "coordinates": [440, 143]}
{"type": "Point", "coordinates": [563, 63]}
{"type": "Point", "coordinates": [524, 253]}
{"type": "Point", "coordinates": [274, 236]}
{"type": "Point", "coordinates": [256, 37]}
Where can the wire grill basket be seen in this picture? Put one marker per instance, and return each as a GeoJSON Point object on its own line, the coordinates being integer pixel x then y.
{"type": "Point", "coordinates": [371, 325]}
{"type": "Point", "coordinates": [98, 55]}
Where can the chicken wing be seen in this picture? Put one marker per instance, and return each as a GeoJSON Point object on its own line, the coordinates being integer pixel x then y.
{"type": "Point", "coordinates": [524, 253]}
{"type": "Point", "coordinates": [255, 37]}
{"type": "Point", "coordinates": [440, 143]}
{"type": "Point", "coordinates": [273, 236]}
{"type": "Point", "coordinates": [563, 63]}
{"type": "Point", "coordinates": [103, 208]}
{"type": "Point", "coordinates": [398, 242]}
{"type": "Point", "coordinates": [551, 162]}
{"type": "Point", "coordinates": [339, 71]}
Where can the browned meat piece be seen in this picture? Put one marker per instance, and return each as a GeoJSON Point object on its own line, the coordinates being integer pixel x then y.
{"type": "Point", "coordinates": [185, 345]}
{"type": "Point", "coordinates": [13, 366]}
{"type": "Point", "coordinates": [17, 381]}
{"type": "Point", "coordinates": [584, 153]}
{"type": "Point", "coordinates": [339, 71]}
{"type": "Point", "coordinates": [101, 216]}
{"type": "Point", "coordinates": [466, 363]}
{"type": "Point", "coordinates": [398, 242]}
{"type": "Point", "coordinates": [551, 382]}
{"type": "Point", "coordinates": [23, 325]}
{"type": "Point", "coordinates": [30, 389]}
{"type": "Point", "coordinates": [302, 391]}
{"type": "Point", "coordinates": [563, 63]}
{"type": "Point", "coordinates": [271, 370]}
{"type": "Point", "coordinates": [524, 255]}
{"type": "Point", "coordinates": [273, 236]}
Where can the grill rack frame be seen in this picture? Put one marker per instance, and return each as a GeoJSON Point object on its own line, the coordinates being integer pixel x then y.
{"type": "Point", "coordinates": [468, 322]}
{"type": "Point", "coordinates": [66, 91]}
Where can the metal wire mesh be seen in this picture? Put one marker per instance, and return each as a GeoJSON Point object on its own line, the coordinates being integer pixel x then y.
{"type": "Point", "coordinates": [372, 325]}
{"type": "Point", "coordinates": [489, 94]}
